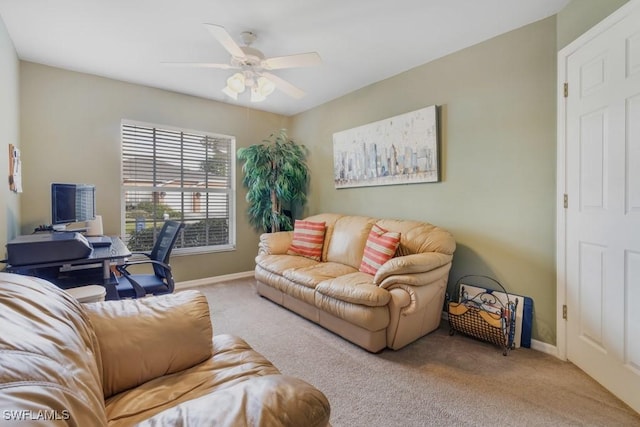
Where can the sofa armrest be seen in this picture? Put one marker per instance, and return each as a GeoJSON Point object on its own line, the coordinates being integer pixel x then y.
{"type": "Point", "coordinates": [275, 243]}
{"type": "Point", "coordinates": [269, 400]}
{"type": "Point", "coordinates": [411, 264]}
{"type": "Point", "coordinates": [420, 288]}
{"type": "Point", "coordinates": [143, 339]}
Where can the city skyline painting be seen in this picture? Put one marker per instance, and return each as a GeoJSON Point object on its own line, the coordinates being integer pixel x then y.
{"type": "Point", "coordinates": [403, 149]}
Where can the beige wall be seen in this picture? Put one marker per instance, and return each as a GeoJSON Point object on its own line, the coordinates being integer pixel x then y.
{"type": "Point", "coordinates": [580, 15]}
{"type": "Point", "coordinates": [497, 195]}
{"type": "Point", "coordinates": [498, 150]}
{"type": "Point", "coordinates": [70, 124]}
{"type": "Point", "coordinates": [9, 134]}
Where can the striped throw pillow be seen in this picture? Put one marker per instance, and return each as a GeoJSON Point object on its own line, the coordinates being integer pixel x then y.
{"type": "Point", "coordinates": [380, 247]}
{"type": "Point", "coordinates": [308, 238]}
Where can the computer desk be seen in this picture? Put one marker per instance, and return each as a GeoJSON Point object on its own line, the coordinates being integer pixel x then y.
{"type": "Point", "coordinates": [92, 270]}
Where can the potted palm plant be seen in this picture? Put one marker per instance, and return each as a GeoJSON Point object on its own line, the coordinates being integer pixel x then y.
{"type": "Point", "coordinates": [276, 176]}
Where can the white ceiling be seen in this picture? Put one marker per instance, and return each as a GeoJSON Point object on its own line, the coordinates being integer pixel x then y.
{"type": "Point", "coordinates": [360, 41]}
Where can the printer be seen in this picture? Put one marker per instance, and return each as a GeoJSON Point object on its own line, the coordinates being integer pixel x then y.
{"type": "Point", "coordinates": [42, 248]}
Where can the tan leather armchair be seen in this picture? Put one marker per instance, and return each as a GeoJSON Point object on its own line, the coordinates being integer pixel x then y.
{"type": "Point", "coordinates": [152, 361]}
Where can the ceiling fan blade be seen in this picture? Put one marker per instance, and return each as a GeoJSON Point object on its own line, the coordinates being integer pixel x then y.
{"type": "Point", "coordinates": [284, 85]}
{"type": "Point", "coordinates": [309, 59]}
{"type": "Point", "coordinates": [201, 65]}
{"type": "Point", "coordinates": [225, 40]}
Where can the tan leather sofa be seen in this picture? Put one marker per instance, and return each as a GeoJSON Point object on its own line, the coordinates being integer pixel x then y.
{"type": "Point", "coordinates": [402, 302]}
{"type": "Point", "coordinates": [149, 362]}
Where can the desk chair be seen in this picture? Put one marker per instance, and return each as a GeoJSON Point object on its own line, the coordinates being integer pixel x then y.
{"type": "Point", "coordinates": [161, 281]}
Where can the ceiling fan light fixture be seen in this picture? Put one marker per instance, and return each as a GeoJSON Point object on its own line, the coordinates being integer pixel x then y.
{"type": "Point", "coordinates": [256, 96]}
{"type": "Point", "coordinates": [262, 88]}
{"type": "Point", "coordinates": [265, 86]}
{"type": "Point", "coordinates": [254, 67]}
{"type": "Point", "coordinates": [236, 83]}
{"type": "Point", "coordinates": [230, 93]}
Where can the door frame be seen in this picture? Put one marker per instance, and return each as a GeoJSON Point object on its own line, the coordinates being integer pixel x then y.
{"type": "Point", "coordinates": [561, 177]}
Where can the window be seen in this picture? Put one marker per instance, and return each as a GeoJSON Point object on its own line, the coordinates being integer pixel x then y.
{"type": "Point", "coordinates": [180, 175]}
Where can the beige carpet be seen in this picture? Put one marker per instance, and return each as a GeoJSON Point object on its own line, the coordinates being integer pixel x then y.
{"type": "Point", "coordinates": [438, 380]}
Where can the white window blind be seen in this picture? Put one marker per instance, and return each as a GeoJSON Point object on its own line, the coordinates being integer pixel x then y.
{"type": "Point", "coordinates": [179, 175]}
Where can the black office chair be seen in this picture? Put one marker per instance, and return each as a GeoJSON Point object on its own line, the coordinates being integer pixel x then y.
{"type": "Point", "coordinates": [161, 281]}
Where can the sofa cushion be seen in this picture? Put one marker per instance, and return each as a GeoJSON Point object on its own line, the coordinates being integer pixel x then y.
{"type": "Point", "coordinates": [150, 337]}
{"type": "Point", "coordinates": [308, 239]}
{"type": "Point", "coordinates": [312, 275]}
{"type": "Point", "coordinates": [330, 220]}
{"type": "Point", "coordinates": [356, 288]}
{"type": "Point", "coordinates": [380, 247]}
{"type": "Point", "coordinates": [233, 361]}
{"type": "Point", "coordinates": [419, 237]}
{"type": "Point", "coordinates": [270, 400]}
{"type": "Point", "coordinates": [236, 386]}
{"type": "Point", "coordinates": [348, 239]}
{"type": "Point", "coordinates": [280, 263]}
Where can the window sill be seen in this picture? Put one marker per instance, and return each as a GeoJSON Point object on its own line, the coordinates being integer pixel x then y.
{"type": "Point", "coordinates": [203, 250]}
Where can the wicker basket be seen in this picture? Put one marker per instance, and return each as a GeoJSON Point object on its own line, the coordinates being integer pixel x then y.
{"type": "Point", "coordinates": [470, 318]}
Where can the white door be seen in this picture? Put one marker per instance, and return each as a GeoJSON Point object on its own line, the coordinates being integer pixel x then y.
{"type": "Point", "coordinates": [603, 214]}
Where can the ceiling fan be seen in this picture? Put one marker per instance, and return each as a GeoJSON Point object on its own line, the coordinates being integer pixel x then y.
{"type": "Point", "coordinates": [253, 67]}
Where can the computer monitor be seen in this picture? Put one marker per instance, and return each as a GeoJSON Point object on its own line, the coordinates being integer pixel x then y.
{"type": "Point", "coordinates": [72, 203]}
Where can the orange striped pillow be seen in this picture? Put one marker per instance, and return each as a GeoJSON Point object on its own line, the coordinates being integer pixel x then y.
{"type": "Point", "coordinates": [308, 238]}
{"type": "Point", "coordinates": [380, 247]}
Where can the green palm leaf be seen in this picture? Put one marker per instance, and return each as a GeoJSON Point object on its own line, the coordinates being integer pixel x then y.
{"type": "Point", "coordinates": [276, 176]}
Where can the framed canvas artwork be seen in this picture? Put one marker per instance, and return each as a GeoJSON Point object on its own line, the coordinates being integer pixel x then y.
{"type": "Point", "coordinates": [399, 150]}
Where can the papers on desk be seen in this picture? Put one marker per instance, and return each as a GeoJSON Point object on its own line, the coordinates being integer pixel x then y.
{"type": "Point", "coordinates": [99, 241]}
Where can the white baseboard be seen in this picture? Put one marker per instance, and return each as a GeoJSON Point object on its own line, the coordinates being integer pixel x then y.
{"type": "Point", "coordinates": [544, 347]}
{"type": "Point", "coordinates": [211, 280]}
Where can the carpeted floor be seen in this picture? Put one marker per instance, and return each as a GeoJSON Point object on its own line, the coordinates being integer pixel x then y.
{"type": "Point", "coordinates": [438, 380]}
